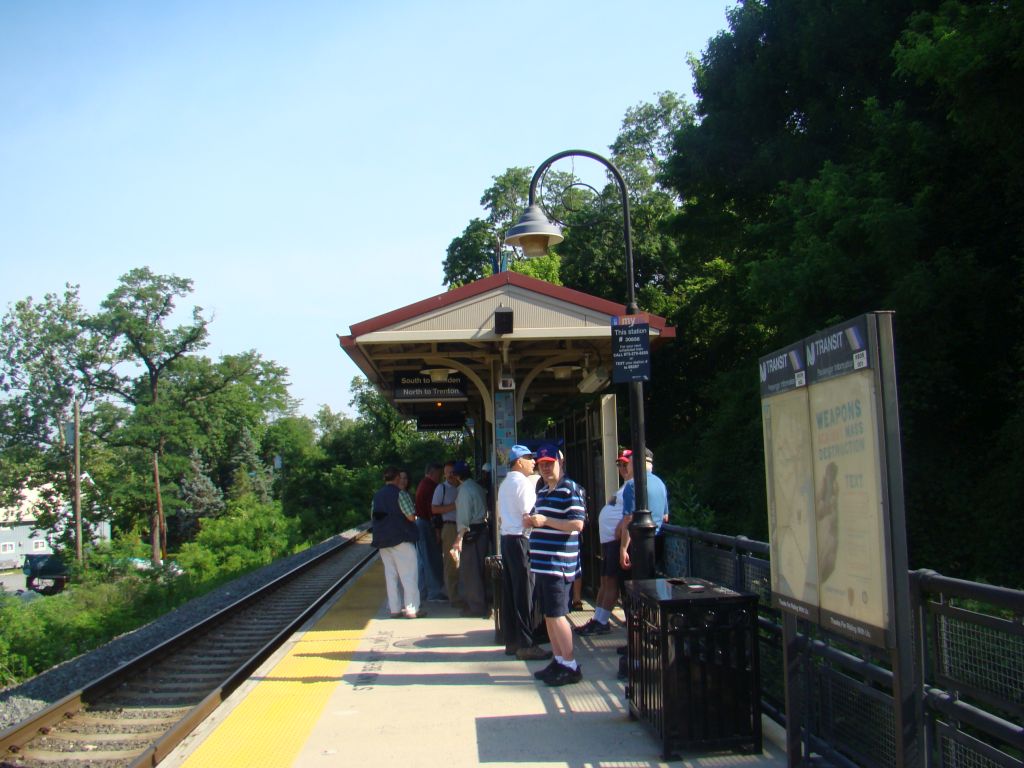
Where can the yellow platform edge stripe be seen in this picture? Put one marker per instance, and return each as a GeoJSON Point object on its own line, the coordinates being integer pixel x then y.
{"type": "Point", "coordinates": [273, 722]}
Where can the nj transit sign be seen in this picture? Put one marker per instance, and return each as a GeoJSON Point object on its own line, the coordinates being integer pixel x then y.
{"type": "Point", "coordinates": [824, 477]}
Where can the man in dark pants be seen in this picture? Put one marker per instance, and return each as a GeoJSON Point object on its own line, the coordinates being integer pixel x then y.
{"type": "Point", "coordinates": [428, 546]}
{"type": "Point", "coordinates": [516, 497]}
{"type": "Point", "coordinates": [471, 541]}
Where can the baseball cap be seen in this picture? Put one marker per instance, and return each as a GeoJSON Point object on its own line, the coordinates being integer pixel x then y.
{"type": "Point", "coordinates": [546, 452]}
{"type": "Point", "coordinates": [516, 452]}
{"type": "Point", "coordinates": [461, 469]}
{"type": "Point", "coordinates": [486, 467]}
{"type": "Point", "coordinates": [627, 455]}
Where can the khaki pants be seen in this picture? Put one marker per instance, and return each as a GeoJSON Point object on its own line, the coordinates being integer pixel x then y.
{"type": "Point", "coordinates": [449, 531]}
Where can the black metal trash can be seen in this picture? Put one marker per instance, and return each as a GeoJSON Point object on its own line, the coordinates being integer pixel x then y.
{"type": "Point", "coordinates": [496, 568]}
{"type": "Point", "coordinates": [693, 664]}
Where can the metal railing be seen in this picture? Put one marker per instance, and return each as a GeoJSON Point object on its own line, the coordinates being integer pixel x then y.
{"type": "Point", "coordinates": [969, 657]}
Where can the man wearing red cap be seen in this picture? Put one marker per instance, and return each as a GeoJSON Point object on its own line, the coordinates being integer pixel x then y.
{"type": "Point", "coordinates": [555, 559]}
{"type": "Point", "coordinates": [609, 523]}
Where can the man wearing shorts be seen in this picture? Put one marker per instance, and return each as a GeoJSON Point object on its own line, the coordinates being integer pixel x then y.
{"type": "Point", "coordinates": [609, 523]}
{"type": "Point", "coordinates": [555, 560]}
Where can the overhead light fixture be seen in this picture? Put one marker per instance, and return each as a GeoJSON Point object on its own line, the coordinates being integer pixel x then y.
{"type": "Point", "coordinates": [594, 381]}
{"type": "Point", "coordinates": [563, 372]}
{"type": "Point", "coordinates": [438, 375]}
{"type": "Point", "coordinates": [534, 233]}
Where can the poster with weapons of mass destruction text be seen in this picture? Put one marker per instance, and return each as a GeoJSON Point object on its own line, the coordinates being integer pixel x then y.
{"type": "Point", "coordinates": [827, 522]}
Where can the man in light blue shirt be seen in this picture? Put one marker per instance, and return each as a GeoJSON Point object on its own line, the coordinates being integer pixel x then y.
{"type": "Point", "coordinates": [657, 503]}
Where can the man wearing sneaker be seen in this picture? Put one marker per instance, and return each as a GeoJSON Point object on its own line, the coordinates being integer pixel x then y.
{"type": "Point", "coordinates": [609, 523]}
{"type": "Point", "coordinates": [555, 559]}
{"type": "Point", "coordinates": [394, 534]}
{"type": "Point", "coordinates": [517, 496]}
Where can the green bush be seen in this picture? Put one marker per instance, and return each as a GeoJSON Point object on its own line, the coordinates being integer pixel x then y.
{"type": "Point", "coordinates": [685, 506]}
{"type": "Point", "coordinates": [249, 535]}
{"type": "Point", "coordinates": [114, 595]}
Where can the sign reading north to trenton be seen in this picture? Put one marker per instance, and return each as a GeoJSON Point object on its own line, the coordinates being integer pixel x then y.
{"type": "Point", "coordinates": [631, 349]}
{"type": "Point", "coordinates": [413, 386]}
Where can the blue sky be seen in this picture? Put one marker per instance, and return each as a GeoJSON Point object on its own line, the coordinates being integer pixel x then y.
{"type": "Point", "coordinates": [307, 163]}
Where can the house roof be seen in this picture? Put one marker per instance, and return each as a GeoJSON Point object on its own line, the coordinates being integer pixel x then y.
{"type": "Point", "coordinates": [25, 512]}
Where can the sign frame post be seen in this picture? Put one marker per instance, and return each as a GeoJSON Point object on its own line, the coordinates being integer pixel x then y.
{"type": "Point", "coordinates": [860, 559]}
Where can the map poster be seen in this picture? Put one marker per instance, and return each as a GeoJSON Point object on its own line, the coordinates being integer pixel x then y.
{"type": "Point", "coordinates": [850, 520]}
{"type": "Point", "coordinates": [504, 430]}
{"type": "Point", "coordinates": [791, 521]}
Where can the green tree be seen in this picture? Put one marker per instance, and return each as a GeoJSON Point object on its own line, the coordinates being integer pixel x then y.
{"type": "Point", "coordinates": [593, 254]}
{"type": "Point", "coordinates": [470, 255]}
{"type": "Point", "coordinates": [250, 475]}
{"type": "Point", "coordinates": [477, 251]}
{"type": "Point", "coordinates": [48, 359]}
{"type": "Point", "coordinates": [383, 432]}
{"type": "Point", "coordinates": [848, 157]}
{"type": "Point", "coordinates": [480, 250]}
{"type": "Point", "coordinates": [134, 316]}
{"type": "Point", "coordinates": [199, 496]}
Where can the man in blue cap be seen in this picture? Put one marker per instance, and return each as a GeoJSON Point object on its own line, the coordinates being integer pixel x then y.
{"type": "Point", "coordinates": [517, 496]}
{"type": "Point", "coordinates": [555, 559]}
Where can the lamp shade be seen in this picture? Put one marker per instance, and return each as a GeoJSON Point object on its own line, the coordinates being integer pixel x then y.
{"type": "Point", "coordinates": [534, 233]}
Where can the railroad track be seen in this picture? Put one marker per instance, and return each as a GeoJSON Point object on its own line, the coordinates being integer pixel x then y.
{"type": "Point", "coordinates": [135, 715]}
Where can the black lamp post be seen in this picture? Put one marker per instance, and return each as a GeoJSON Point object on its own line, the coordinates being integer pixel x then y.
{"type": "Point", "coordinates": [535, 233]}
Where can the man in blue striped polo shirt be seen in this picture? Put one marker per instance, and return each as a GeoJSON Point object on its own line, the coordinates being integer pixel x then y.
{"type": "Point", "coordinates": [555, 559]}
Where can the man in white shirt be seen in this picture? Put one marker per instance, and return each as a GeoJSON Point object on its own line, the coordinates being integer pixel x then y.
{"type": "Point", "coordinates": [517, 496]}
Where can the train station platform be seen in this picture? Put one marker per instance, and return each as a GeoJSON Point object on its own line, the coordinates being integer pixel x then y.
{"type": "Point", "coordinates": [356, 687]}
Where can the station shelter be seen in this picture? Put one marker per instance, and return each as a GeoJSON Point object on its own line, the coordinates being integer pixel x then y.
{"type": "Point", "coordinates": [508, 359]}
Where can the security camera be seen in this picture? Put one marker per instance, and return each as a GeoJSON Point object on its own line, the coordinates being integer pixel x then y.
{"type": "Point", "coordinates": [594, 381]}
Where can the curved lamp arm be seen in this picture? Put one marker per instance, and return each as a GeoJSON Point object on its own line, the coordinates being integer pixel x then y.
{"type": "Point", "coordinates": [631, 307]}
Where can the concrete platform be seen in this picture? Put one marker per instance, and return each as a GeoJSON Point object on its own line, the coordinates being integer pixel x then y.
{"type": "Point", "coordinates": [356, 687]}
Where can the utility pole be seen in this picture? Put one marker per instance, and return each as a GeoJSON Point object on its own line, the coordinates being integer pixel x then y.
{"type": "Point", "coordinates": [78, 486]}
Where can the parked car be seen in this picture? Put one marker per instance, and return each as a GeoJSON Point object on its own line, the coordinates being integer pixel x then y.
{"type": "Point", "coordinates": [45, 574]}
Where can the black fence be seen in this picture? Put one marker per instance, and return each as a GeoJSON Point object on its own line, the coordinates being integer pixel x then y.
{"type": "Point", "coordinates": [969, 659]}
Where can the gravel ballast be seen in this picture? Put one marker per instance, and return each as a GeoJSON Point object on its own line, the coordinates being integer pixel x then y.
{"type": "Point", "coordinates": [22, 701]}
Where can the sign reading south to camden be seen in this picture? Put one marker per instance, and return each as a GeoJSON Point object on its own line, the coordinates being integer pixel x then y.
{"type": "Point", "coordinates": [782, 370]}
{"type": "Point", "coordinates": [838, 350]}
{"type": "Point", "coordinates": [418, 386]}
{"type": "Point", "coordinates": [631, 350]}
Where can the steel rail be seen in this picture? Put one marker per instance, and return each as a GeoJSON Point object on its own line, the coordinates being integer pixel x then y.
{"type": "Point", "coordinates": [17, 736]}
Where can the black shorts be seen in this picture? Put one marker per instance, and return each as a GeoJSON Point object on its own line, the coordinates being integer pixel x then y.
{"type": "Point", "coordinates": [610, 562]}
{"type": "Point", "coordinates": [554, 595]}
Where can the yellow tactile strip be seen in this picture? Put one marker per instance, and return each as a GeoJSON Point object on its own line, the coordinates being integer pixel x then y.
{"type": "Point", "coordinates": [269, 727]}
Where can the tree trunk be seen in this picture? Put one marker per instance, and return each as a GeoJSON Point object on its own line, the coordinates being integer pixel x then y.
{"type": "Point", "coordinates": [157, 526]}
